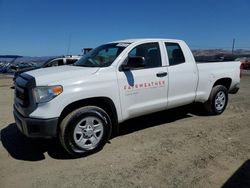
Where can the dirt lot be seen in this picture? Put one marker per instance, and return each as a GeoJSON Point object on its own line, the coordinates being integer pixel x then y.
{"type": "Point", "coordinates": [177, 148]}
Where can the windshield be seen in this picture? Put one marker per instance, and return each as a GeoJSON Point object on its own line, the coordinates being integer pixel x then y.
{"type": "Point", "coordinates": [102, 56]}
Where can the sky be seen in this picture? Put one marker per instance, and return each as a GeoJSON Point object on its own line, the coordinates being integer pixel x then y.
{"type": "Point", "coordinates": [61, 27]}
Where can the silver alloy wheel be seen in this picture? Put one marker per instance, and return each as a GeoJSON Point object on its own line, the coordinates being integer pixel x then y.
{"type": "Point", "coordinates": [220, 100]}
{"type": "Point", "coordinates": [88, 132]}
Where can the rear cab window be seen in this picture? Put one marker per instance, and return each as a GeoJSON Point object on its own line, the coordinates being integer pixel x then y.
{"type": "Point", "coordinates": [175, 54]}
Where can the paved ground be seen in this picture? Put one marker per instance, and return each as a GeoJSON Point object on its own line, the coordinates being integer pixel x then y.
{"type": "Point", "coordinates": [177, 148]}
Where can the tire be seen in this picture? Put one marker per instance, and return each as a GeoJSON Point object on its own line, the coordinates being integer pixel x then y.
{"type": "Point", "coordinates": [85, 131]}
{"type": "Point", "coordinates": [217, 101]}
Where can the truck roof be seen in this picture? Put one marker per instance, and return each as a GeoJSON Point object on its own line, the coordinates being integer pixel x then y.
{"type": "Point", "coordinates": [145, 40]}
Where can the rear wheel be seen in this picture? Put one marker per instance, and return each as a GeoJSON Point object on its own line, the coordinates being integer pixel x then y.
{"type": "Point", "coordinates": [85, 130]}
{"type": "Point", "coordinates": [217, 101]}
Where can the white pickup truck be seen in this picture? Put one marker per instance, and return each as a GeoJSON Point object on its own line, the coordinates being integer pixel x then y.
{"type": "Point", "coordinates": [82, 104]}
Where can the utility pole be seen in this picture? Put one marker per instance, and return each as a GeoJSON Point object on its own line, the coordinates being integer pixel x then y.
{"type": "Point", "coordinates": [69, 44]}
{"type": "Point", "coordinates": [233, 46]}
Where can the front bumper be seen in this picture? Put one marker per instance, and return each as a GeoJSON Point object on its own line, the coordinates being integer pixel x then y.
{"type": "Point", "coordinates": [32, 127]}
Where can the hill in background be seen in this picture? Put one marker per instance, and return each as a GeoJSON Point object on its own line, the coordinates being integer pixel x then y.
{"type": "Point", "coordinates": [219, 54]}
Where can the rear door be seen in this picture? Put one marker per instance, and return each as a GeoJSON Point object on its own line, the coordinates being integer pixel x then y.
{"type": "Point", "coordinates": [144, 90]}
{"type": "Point", "coordinates": [183, 76]}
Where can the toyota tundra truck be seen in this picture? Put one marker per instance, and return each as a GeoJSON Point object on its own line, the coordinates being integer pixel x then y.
{"type": "Point", "coordinates": [84, 103]}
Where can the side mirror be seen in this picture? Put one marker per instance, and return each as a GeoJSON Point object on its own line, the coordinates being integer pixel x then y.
{"type": "Point", "coordinates": [133, 63]}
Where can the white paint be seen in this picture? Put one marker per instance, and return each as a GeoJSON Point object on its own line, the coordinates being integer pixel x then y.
{"type": "Point", "coordinates": [185, 83]}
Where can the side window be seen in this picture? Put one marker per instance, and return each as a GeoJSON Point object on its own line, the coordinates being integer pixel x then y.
{"type": "Point", "coordinates": [175, 54]}
{"type": "Point", "coordinates": [49, 64]}
{"type": "Point", "coordinates": [70, 61]}
{"type": "Point", "coordinates": [60, 62]}
{"type": "Point", "coordinates": [151, 53]}
{"type": "Point", "coordinates": [55, 63]}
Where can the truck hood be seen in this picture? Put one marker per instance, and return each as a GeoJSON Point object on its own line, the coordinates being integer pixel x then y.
{"type": "Point", "coordinates": [47, 76]}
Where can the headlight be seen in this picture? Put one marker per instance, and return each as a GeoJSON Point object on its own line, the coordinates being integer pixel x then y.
{"type": "Point", "coordinates": [46, 93]}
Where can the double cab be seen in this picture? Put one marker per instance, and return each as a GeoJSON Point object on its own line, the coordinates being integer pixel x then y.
{"type": "Point", "coordinates": [83, 103]}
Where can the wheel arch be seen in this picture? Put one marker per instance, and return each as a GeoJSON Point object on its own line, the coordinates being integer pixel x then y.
{"type": "Point", "coordinates": [102, 102]}
{"type": "Point", "coordinates": [224, 81]}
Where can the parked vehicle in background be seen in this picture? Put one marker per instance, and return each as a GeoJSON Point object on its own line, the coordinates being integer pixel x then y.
{"type": "Point", "coordinates": [51, 62]}
{"type": "Point", "coordinates": [4, 67]}
{"type": "Point", "coordinates": [82, 104]}
{"type": "Point", "coordinates": [6, 61]}
{"type": "Point", "coordinates": [245, 62]}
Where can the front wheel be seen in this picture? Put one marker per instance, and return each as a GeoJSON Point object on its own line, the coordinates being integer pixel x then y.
{"type": "Point", "coordinates": [85, 130]}
{"type": "Point", "coordinates": [217, 101]}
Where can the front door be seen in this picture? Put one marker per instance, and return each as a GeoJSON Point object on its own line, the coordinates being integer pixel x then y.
{"type": "Point", "coordinates": [144, 90]}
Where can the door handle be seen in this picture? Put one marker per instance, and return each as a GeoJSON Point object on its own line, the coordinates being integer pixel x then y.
{"type": "Point", "coordinates": [161, 74]}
